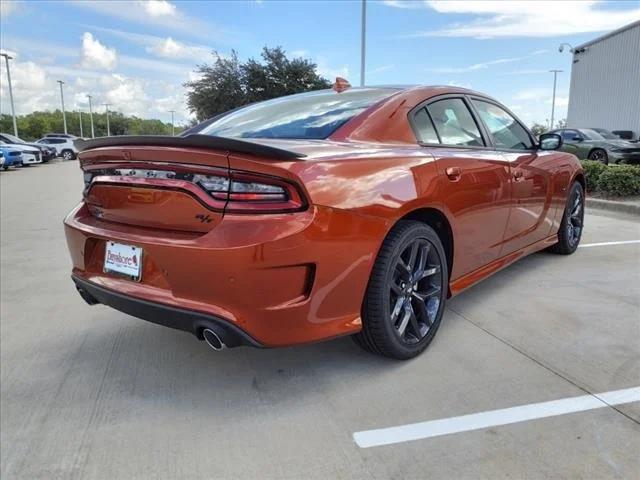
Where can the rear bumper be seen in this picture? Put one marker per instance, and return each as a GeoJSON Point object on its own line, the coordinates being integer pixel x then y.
{"type": "Point", "coordinates": [281, 279]}
{"type": "Point", "coordinates": [178, 318]}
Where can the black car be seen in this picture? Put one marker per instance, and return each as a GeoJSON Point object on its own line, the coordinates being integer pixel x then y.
{"type": "Point", "coordinates": [47, 153]}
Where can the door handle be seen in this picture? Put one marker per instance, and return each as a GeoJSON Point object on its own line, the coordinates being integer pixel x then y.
{"type": "Point", "coordinates": [453, 173]}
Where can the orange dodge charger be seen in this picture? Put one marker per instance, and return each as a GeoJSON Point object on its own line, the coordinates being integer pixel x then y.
{"type": "Point", "coordinates": [352, 211]}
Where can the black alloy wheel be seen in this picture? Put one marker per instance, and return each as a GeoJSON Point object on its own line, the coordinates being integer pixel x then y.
{"type": "Point", "coordinates": [599, 155]}
{"type": "Point", "coordinates": [572, 225]}
{"type": "Point", "coordinates": [414, 291]}
{"type": "Point", "coordinates": [406, 294]}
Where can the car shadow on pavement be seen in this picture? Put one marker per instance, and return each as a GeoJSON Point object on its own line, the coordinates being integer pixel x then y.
{"type": "Point", "coordinates": [118, 358]}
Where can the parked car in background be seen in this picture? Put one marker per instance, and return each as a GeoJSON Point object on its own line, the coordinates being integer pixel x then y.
{"type": "Point", "coordinates": [61, 135]}
{"type": "Point", "coordinates": [327, 213]}
{"type": "Point", "coordinates": [587, 143]}
{"type": "Point", "coordinates": [609, 135]}
{"type": "Point", "coordinates": [64, 146]}
{"type": "Point", "coordinates": [12, 157]}
{"type": "Point", "coordinates": [30, 155]}
{"type": "Point", "coordinates": [46, 153]}
{"type": "Point", "coordinates": [626, 135]}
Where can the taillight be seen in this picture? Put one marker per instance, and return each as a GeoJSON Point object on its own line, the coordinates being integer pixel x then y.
{"type": "Point", "coordinates": [250, 192]}
{"type": "Point", "coordinates": [240, 192]}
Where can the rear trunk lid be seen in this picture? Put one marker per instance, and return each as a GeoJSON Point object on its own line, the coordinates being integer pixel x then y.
{"type": "Point", "coordinates": [154, 187]}
{"type": "Point", "coordinates": [167, 183]}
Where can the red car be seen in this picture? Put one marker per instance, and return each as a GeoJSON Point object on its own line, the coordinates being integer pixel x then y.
{"type": "Point", "coordinates": [353, 211]}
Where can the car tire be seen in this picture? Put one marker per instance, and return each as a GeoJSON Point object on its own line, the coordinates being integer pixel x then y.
{"type": "Point", "coordinates": [572, 224]}
{"type": "Point", "coordinates": [599, 155]}
{"type": "Point", "coordinates": [406, 294]}
{"type": "Point", "coordinates": [68, 155]}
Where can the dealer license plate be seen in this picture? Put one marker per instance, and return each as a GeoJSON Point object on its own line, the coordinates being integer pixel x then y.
{"type": "Point", "coordinates": [123, 259]}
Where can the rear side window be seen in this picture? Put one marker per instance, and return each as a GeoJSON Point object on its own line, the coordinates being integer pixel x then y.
{"type": "Point", "coordinates": [424, 129]}
{"type": "Point", "coordinates": [454, 123]}
{"type": "Point", "coordinates": [57, 140]}
{"type": "Point", "coordinates": [507, 133]}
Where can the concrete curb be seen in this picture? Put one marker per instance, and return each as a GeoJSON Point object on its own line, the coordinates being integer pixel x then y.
{"type": "Point", "coordinates": [613, 206]}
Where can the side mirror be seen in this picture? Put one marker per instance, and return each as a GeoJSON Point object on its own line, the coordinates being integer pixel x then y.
{"type": "Point", "coordinates": [550, 141]}
{"type": "Point", "coordinates": [577, 138]}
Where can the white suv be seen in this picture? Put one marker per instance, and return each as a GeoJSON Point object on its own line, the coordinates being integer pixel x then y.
{"type": "Point", "coordinates": [64, 146]}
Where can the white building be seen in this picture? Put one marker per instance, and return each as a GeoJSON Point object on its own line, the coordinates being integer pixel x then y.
{"type": "Point", "coordinates": [605, 82]}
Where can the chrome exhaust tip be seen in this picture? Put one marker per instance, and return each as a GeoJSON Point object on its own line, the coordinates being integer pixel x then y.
{"type": "Point", "coordinates": [213, 340]}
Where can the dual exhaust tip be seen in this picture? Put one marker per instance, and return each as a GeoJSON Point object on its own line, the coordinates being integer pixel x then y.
{"type": "Point", "coordinates": [213, 340]}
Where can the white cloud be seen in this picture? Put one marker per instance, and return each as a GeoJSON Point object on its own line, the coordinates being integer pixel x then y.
{"type": "Point", "coordinates": [537, 94]}
{"type": "Point", "coordinates": [562, 101]}
{"type": "Point", "coordinates": [475, 66]}
{"type": "Point", "coordinates": [380, 69]}
{"type": "Point", "coordinates": [330, 72]}
{"type": "Point", "coordinates": [159, 8]}
{"type": "Point", "coordinates": [170, 48]}
{"type": "Point", "coordinates": [453, 83]}
{"type": "Point", "coordinates": [8, 7]}
{"type": "Point", "coordinates": [526, 71]}
{"type": "Point", "coordinates": [160, 46]}
{"type": "Point", "coordinates": [158, 13]}
{"type": "Point", "coordinates": [406, 4]}
{"type": "Point", "coordinates": [32, 90]}
{"type": "Point", "coordinates": [95, 55]}
{"type": "Point", "coordinates": [483, 65]}
{"type": "Point", "coordinates": [527, 18]}
{"type": "Point", "coordinates": [35, 88]}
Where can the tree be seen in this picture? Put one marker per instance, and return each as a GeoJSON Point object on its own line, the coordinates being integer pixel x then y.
{"type": "Point", "coordinates": [36, 124]}
{"type": "Point", "coordinates": [228, 84]}
{"type": "Point", "coordinates": [538, 129]}
{"type": "Point", "coordinates": [562, 123]}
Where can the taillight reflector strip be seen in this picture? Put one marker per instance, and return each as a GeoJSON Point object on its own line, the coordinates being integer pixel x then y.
{"type": "Point", "coordinates": [241, 192]}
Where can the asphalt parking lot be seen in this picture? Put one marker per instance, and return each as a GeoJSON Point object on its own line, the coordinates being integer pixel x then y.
{"type": "Point", "coordinates": [88, 392]}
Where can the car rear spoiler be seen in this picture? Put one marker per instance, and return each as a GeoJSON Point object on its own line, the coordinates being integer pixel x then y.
{"type": "Point", "coordinates": [193, 140]}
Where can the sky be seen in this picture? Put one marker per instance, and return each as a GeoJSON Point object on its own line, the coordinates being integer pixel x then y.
{"type": "Point", "coordinates": [136, 55]}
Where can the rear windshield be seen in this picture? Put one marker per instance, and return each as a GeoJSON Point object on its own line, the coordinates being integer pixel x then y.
{"type": "Point", "coordinates": [311, 115]}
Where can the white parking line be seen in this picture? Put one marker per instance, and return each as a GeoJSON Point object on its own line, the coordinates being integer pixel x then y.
{"type": "Point", "coordinates": [492, 418]}
{"type": "Point", "coordinates": [624, 242]}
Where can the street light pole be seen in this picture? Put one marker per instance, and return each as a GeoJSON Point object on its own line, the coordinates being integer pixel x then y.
{"type": "Point", "coordinates": [363, 35]}
{"type": "Point", "coordinates": [8, 57]}
{"type": "Point", "coordinates": [106, 105]}
{"type": "Point", "coordinates": [80, 119]}
{"type": "Point", "coordinates": [64, 115]}
{"type": "Point", "coordinates": [93, 135]}
{"type": "Point", "coordinates": [553, 101]}
{"type": "Point", "coordinates": [173, 130]}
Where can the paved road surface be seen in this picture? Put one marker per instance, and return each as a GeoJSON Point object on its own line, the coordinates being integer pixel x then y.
{"type": "Point", "coordinates": [88, 392]}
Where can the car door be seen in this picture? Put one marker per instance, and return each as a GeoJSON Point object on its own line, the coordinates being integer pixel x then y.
{"type": "Point", "coordinates": [473, 180]}
{"type": "Point", "coordinates": [531, 214]}
{"type": "Point", "coordinates": [573, 142]}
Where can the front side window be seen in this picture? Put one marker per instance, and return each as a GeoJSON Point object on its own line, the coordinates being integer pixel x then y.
{"type": "Point", "coordinates": [507, 133]}
{"type": "Point", "coordinates": [454, 123]}
{"type": "Point", "coordinates": [569, 136]}
{"type": "Point", "coordinates": [310, 115]}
